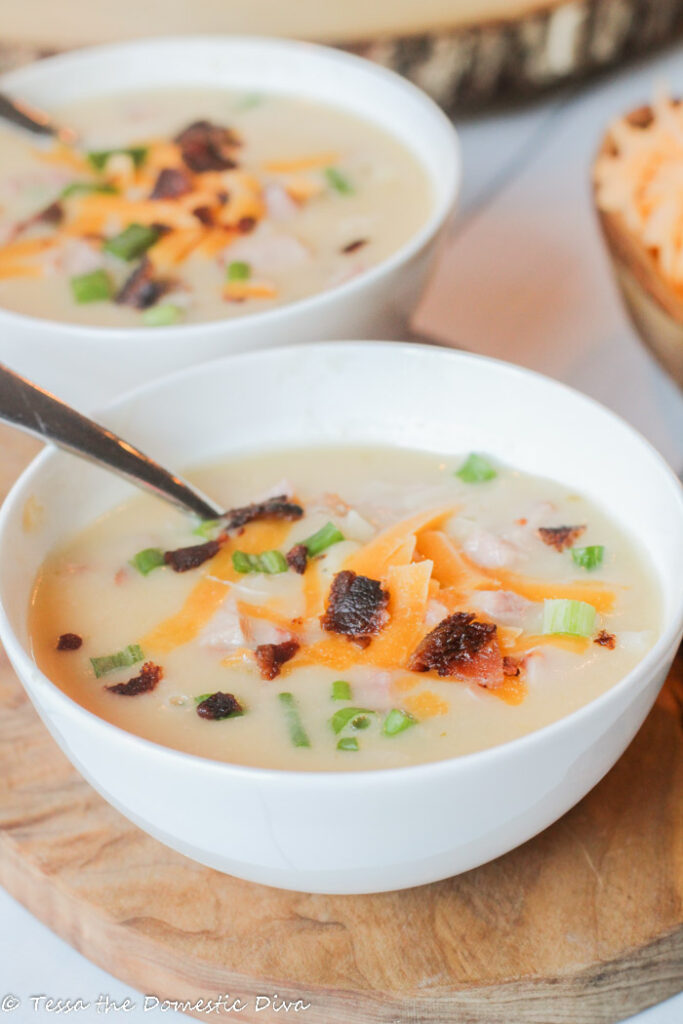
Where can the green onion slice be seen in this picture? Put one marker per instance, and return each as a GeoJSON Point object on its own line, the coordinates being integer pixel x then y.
{"type": "Point", "coordinates": [148, 559]}
{"type": "Point", "coordinates": [326, 536]}
{"type": "Point", "coordinates": [297, 733]}
{"type": "Point", "coordinates": [202, 697]}
{"type": "Point", "coordinates": [270, 562]}
{"type": "Point", "coordinates": [93, 287]}
{"type": "Point", "coordinates": [132, 242]}
{"type": "Point", "coordinates": [340, 719]}
{"type": "Point", "coordinates": [338, 181]}
{"type": "Point", "coordinates": [162, 316]}
{"type": "Point", "coordinates": [476, 469]}
{"type": "Point", "coordinates": [86, 188]}
{"type": "Point", "coordinates": [588, 558]}
{"type": "Point", "coordinates": [248, 101]}
{"type": "Point", "coordinates": [348, 743]}
{"type": "Point", "coordinates": [238, 270]}
{"type": "Point", "coordinates": [98, 157]}
{"type": "Point", "coordinates": [341, 690]}
{"type": "Point", "coordinates": [397, 721]}
{"type": "Point", "coordinates": [122, 659]}
{"type": "Point", "coordinates": [574, 618]}
{"type": "Point", "coordinates": [209, 528]}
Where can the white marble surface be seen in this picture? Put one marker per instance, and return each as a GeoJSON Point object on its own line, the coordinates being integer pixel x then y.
{"type": "Point", "coordinates": [523, 277]}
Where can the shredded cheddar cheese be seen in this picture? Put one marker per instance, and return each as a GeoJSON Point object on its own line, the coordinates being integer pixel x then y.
{"type": "Point", "coordinates": [640, 178]}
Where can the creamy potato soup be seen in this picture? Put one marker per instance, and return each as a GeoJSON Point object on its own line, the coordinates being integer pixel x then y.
{"type": "Point", "coordinates": [185, 205]}
{"type": "Point", "coordinates": [356, 608]}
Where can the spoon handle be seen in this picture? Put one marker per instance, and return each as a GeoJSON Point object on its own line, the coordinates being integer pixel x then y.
{"type": "Point", "coordinates": [22, 115]}
{"type": "Point", "coordinates": [28, 407]}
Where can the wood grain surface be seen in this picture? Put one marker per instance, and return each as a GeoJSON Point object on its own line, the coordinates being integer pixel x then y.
{"type": "Point", "coordinates": [581, 925]}
{"type": "Point", "coordinates": [464, 53]}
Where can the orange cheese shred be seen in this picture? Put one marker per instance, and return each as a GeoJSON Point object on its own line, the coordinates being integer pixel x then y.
{"type": "Point", "coordinates": [208, 593]}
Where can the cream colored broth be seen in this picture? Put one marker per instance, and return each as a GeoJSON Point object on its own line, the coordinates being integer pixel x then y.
{"type": "Point", "coordinates": [297, 246]}
{"type": "Point", "coordinates": [90, 589]}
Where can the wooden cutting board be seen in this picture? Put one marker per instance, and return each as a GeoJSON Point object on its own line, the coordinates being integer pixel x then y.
{"type": "Point", "coordinates": [582, 924]}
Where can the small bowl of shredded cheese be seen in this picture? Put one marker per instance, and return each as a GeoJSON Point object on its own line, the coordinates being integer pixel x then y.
{"type": "Point", "coordinates": [638, 190]}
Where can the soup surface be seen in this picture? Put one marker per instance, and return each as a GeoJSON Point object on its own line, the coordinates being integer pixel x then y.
{"type": "Point", "coordinates": [370, 608]}
{"type": "Point", "coordinates": [193, 205]}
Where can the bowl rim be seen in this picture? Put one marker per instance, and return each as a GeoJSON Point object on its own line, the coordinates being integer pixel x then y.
{"type": "Point", "coordinates": [642, 672]}
{"type": "Point", "coordinates": [441, 211]}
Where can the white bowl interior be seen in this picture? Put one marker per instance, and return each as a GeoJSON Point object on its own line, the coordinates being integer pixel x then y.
{"type": "Point", "coordinates": [253, 64]}
{"type": "Point", "coordinates": [371, 393]}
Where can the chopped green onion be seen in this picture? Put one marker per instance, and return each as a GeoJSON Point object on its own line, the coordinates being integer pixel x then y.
{"type": "Point", "coordinates": [162, 316]}
{"type": "Point", "coordinates": [324, 538]}
{"type": "Point", "coordinates": [268, 561]}
{"type": "Point", "coordinates": [238, 270]}
{"type": "Point", "coordinates": [148, 559]}
{"type": "Point", "coordinates": [361, 722]}
{"type": "Point", "coordinates": [348, 743]}
{"type": "Point", "coordinates": [132, 242]}
{"type": "Point", "coordinates": [588, 558]}
{"type": "Point", "coordinates": [338, 181]}
{"type": "Point", "coordinates": [340, 719]}
{"type": "Point", "coordinates": [249, 101]}
{"type": "Point", "coordinates": [98, 158]}
{"type": "Point", "coordinates": [273, 562]}
{"type": "Point", "coordinates": [209, 528]}
{"type": "Point", "coordinates": [122, 659]}
{"type": "Point", "coordinates": [297, 733]}
{"type": "Point", "coordinates": [396, 721]}
{"type": "Point", "coordinates": [93, 287]}
{"type": "Point", "coordinates": [575, 618]}
{"type": "Point", "coordinates": [86, 188]}
{"type": "Point", "coordinates": [476, 469]}
{"type": "Point", "coordinates": [341, 690]}
{"type": "Point", "coordinates": [202, 697]}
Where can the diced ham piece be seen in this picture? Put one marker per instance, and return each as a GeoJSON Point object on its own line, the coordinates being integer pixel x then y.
{"type": "Point", "coordinates": [224, 630]}
{"type": "Point", "coordinates": [489, 550]}
{"type": "Point", "coordinates": [269, 252]}
{"type": "Point", "coordinates": [504, 606]}
{"type": "Point", "coordinates": [372, 688]}
{"type": "Point", "coordinates": [435, 613]}
{"type": "Point", "coordinates": [279, 203]}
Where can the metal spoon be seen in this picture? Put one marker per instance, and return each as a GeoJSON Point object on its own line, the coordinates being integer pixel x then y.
{"type": "Point", "coordinates": [37, 412]}
{"type": "Point", "coordinates": [23, 115]}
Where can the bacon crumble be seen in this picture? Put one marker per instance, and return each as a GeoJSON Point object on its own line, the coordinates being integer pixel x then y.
{"type": "Point", "coordinates": [511, 666]}
{"type": "Point", "coordinates": [171, 183]}
{"type": "Point", "coordinates": [278, 507]}
{"type": "Point", "coordinates": [207, 147]}
{"type": "Point", "coordinates": [141, 289]}
{"type": "Point", "coordinates": [149, 677]}
{"type": "Point", "coordinates": [219, 705]}
{"type": "Point", "coordinates": [204, 215]}
{"type": "Point", "coordinates": [356, 607]}
{"type": "Point", "coordinates": [191, 557]}
{"type": "Point", "coordinates": [605, 639]}
{"type": "Point", "coordinates": [69, 642]}
{"type": "Point", "coordinates": [560, 537]}
{"type": "Point", "coordinates": [462, 647]}
{"type": "Point", "coordinates": [297, 558]}
{"type": "Point", "coordinates": [354, 246]}
{"type": "Point", "coordinates": [271, 657]}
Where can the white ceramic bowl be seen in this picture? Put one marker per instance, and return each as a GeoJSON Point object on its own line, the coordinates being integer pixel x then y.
{"type": "Point", "coordinates": [90, 365]}
{"type": "Point", "coordinates": [410, 825]}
